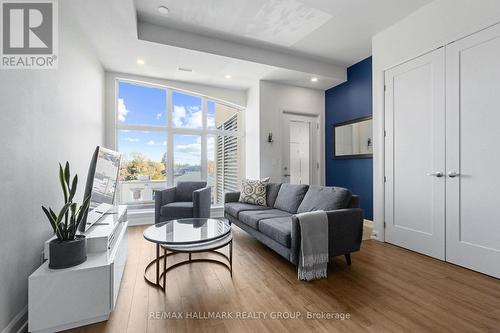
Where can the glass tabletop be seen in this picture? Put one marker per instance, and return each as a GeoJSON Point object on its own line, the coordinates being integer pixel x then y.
{"type": "Point", "coordinates": [187, 231]}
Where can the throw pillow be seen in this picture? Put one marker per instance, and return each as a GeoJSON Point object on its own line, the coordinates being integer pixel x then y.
{"type": "Point", "coordinates": [324, 198]}
{"type": "Point", "coordinates": [254, 191]}
{"type": "Point", "coordinates": [272, 193]}
{"type": "Point", "coordinates": [290, 196]}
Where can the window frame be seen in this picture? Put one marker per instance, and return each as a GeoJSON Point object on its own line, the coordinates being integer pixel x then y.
{"type": "Point", "coordinates": [171, 131]}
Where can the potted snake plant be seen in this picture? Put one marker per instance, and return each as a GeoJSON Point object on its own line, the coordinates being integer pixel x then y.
{"type": "Point", "coordinates": [68, 248]}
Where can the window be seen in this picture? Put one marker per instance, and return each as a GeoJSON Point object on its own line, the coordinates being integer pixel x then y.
{"type": "Point", "coordinates": [187, 111]}
{"type": "Point", "coordinates": [187, 157]}
{"type": "Point", "coordinates": [167, 136]}
{"type": "Point", "coordinates": [139, 105]}
{"type": "Point", "coordinates": [144, 155]}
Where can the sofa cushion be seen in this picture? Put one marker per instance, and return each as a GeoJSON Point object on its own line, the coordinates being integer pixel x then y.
{"type": "Point", "coordinates": [234, 208]}
{"type": "Point", "coordinates": [278, 229]}
{"type": "Point", "coordinates": [184, 190]}
{"type": "Point", "coordinates": [254, 191]}
{"type": "Point", "coordinates": [176, 210]}
{"type": "Point", "coordinates": [272, 193]}
{"type": "Point", "coordinates": [324, 198]}
{"type": "Point", "coordinates": [252, 218]}
{"type": "Point", "coordinates": [290, 196]}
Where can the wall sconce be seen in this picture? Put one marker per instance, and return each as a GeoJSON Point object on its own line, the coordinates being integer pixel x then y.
{"type": "Point", "coordinates": [270, 137]}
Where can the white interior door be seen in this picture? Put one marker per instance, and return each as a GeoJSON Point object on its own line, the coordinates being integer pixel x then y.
{"type": "Point", "coordinates": [415, 155]}
{"type": "Point", "coordinates": [473, 135]}
{"type": "Point", "coordinates": [299, 157]}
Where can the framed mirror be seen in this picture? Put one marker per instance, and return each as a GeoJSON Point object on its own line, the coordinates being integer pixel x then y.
{"type": "Point", "coordinates": [353, 139]}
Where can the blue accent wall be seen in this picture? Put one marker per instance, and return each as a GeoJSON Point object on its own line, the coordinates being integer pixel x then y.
{"type": "Point", "coordinates": [350, 100]}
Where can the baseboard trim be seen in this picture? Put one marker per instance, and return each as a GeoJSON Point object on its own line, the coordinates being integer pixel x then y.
{"type": "Point", "coordinates": [19, 323]}
{"type": "Point", "coordinates": [367, 229]}
{"type": "Point", "coordinates": [76, 324]}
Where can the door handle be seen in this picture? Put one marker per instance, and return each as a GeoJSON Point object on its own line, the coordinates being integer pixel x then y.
{"type": "Point", "coordinates": [286, 175]}
{"type": "Point", "coordinates": [453, 174]}
{"type": "Point", "coordinates": [437, 174]}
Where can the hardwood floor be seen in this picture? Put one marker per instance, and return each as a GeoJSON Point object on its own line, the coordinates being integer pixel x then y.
{"type": "Point", "coordinates": [387, 289]}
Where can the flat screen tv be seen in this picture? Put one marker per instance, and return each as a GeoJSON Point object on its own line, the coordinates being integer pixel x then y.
{"type": "Point", "coordinates": [101, 185]}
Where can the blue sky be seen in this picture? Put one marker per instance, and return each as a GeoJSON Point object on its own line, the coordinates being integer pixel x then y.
{"type": "Point", "coordinates": [151, 144]}
{"type": "Point", "coordinates": [187, 111]}
{"type": "Point", "coordinates": [211, 114]}
{"type": "Point", "coordinates": [138, 105]}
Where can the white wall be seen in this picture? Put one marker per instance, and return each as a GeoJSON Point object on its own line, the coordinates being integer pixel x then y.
{"type": "Point", "coordinates": [252, 133]}
{"type": "Point", "coordinates": [274, 99]}
{"type": "Point", "coordinates": [432, 26]}
{"type": "Point", "coordinates": [47, 116]}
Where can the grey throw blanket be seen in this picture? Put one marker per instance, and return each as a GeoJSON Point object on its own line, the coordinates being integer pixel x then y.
{"type": "Point", "coordinates": [313, 258]}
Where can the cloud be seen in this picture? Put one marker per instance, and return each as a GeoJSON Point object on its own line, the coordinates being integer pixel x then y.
{"type": "Point", "coordinates": [196, 119]}
{"type": "Point", "coordinates": [211, 146]}
{"type": "Point", "coordinates": [164, 143]}
{"type": "Point", "coordinates": [158, 115]}
{"type": "Point", "coordinates": [122, 110]}
{"type": "Point", "coordinates": [178, 115]}
{"type": "Point", "coordinates": [187, 154]}
{"type": "Point", "coordinates": [211, 122]}
{"type": "Point", "coordinates": [190, 148]}
{"type": "Point", "coordinates": [131, 139]}
{"type": "Point", "coordinates": [192, 117]}
{"type": "Point", "coordinates": [151, 142]}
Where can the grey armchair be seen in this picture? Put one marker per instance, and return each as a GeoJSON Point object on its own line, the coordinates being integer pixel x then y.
{"type": "Point", "coordinates": [187, 199]}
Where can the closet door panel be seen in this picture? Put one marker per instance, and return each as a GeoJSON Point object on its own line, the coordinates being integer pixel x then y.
{"type": "Point", "coordinates": [473, 153]}
{"type": "Point", "coordinates": [415, 154]}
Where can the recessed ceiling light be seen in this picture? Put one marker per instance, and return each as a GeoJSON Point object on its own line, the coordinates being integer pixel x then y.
{"type": "Point", "coordinates": [163, 10]}
{"type": "Point", "coordinates": [140, 61]}
{"type": "Point", "coordinates": [228, 76]}
{"type": "Point", "coordinates": [314, 79]}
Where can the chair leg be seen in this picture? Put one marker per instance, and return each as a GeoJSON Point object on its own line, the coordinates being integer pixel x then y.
{"type": "Point", "coordinates": [348, 259]}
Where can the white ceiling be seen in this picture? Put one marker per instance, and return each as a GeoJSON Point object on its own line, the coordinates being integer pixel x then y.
{"type": "Point", "coordinates": [338, 31]}
{"type": "Point", "coordinates": [330, 32]}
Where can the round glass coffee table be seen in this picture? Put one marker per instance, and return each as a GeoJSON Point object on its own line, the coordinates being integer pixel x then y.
{"type": "Point", "coordinates": [191, 235]}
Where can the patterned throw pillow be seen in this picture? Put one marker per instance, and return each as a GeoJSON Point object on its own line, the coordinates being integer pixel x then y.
{"type": "Point", "coordinates": [254, 191]}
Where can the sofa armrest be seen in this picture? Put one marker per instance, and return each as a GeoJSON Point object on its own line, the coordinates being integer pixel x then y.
{"type": "Point", "coordinates": [354, 202]}
{"type": "Point", "coordinates": [345, 227]}
{"type": "Point", "coordinates": [231, 197]}
{"type": "Point", "coordinates": [345, 232]}
{"type": "Point", "coordinates": [201, 202]}
{"type": "Point", "coordinates": [162, 198]}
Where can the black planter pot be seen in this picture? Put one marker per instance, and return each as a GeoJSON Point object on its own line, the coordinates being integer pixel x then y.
{"type": "Point", "coordinates": [67, 254]}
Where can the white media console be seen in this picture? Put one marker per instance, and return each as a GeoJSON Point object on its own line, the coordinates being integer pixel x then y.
{"type": "Point", "coordinates": [60, 299]}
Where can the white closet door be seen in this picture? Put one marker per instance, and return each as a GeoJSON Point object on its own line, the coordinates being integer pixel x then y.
{"type": "Point", "coordinates": [473, 139]}
{"type": "Point", "coordinates": [415, 155]}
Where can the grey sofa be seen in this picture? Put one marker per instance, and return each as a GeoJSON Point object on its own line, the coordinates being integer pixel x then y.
{"type": "Point", "coordinates": [277, 227]}
{"type": "Point", "coordinates": [187, 199]}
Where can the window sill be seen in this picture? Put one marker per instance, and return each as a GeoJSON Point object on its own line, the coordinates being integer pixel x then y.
{"type": "Point", "coordinates": [141, 216]}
